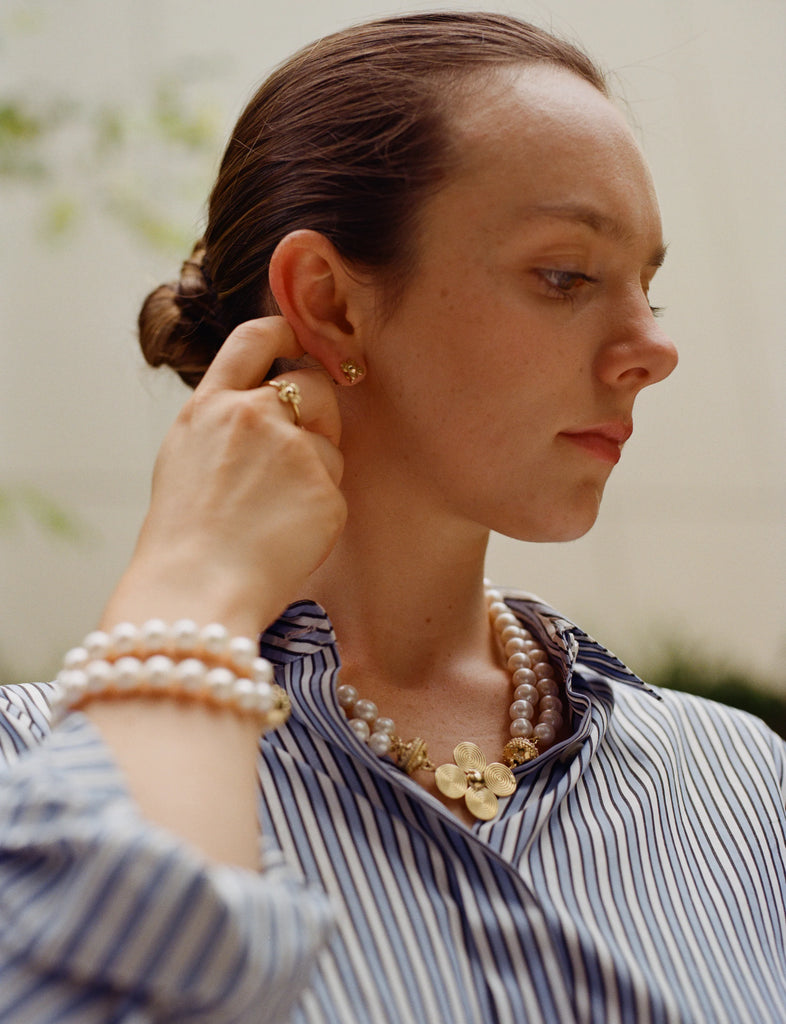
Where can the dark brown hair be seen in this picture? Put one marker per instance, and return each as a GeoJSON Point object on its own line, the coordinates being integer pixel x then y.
{"type": "Point", "coordinates": [347, 138]}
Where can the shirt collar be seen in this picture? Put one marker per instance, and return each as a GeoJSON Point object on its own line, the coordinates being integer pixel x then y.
{"type": "Point", "coordinates": [304, 629]}
{"type": "Point", "coordinates": [566, 636]}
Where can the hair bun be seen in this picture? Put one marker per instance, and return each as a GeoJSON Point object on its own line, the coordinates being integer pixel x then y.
{"type": "Point", "coordinates": [179, 323]}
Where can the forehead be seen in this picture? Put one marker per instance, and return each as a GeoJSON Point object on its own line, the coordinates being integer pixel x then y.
{"type": "Point", "coordinates": [540, 139]}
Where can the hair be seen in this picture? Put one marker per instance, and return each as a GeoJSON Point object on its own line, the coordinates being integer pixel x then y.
{"type": "Point", "coordinates": [348, 137]}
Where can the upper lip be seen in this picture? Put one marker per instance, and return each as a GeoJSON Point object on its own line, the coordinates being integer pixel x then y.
{"type": "Point", "coordinates": [617, 431]}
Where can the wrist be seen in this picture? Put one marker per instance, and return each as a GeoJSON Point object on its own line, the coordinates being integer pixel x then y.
{"type": "Point", "coordinates": [164, 590]}
{"type": "Point", "coordinates": [178, 663]}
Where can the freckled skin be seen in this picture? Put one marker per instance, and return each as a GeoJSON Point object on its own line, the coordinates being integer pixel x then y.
{"type": "Point", "coordinates": [484, 364]}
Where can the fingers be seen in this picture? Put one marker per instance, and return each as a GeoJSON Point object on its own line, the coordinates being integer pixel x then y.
{"type": "Point", "coordinates": [330, 456]}
{"type": "Point", "coordinates": [244, 360]}
{"type": "Point", "coordinates": [245, 357]}
{"type": "Point", "coordinates": [318, 406]}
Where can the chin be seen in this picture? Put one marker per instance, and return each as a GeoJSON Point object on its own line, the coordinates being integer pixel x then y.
{"type": "Point", "coordinates": [566, 524]}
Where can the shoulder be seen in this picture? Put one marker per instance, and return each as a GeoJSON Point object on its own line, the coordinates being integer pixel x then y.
{"type": "Point", "coordinates": [703, 728]}
{"type": "Point", "coordinates": [25, 717]}
{"type": "Point", "coordinates": [682, 733]}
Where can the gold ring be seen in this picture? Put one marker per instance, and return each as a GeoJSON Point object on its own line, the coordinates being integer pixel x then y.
{"type": "Point", "coordinates": [289, 394]}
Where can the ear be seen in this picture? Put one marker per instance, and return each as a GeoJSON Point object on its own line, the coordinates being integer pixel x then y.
{"type": "Point", "coordinates": [323, 302]}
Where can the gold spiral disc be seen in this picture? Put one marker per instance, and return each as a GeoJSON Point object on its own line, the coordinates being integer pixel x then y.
{"type": "Point", "coordinates": [451, 781]}
{"type": "Point", "coordinates": [470, 757]}
{"type": "Point", "coordinates": [481, 803]}
{"type": "Point", "coordinates": [499, 779]}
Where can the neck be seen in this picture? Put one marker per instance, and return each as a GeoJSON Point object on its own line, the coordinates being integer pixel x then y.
{"type": "Point", "coordinates": [402, 570]}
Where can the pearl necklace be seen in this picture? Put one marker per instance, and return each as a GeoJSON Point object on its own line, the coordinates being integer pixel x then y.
{"type": "Point", "coordinates": [536, 717]}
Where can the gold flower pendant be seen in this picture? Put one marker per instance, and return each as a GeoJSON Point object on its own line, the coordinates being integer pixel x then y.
{"type": "Point", "coordinates": [479, 783]}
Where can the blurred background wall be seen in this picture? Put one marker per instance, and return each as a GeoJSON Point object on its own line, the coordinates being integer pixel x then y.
{"type": "Point", "coordinates": [112, 117]}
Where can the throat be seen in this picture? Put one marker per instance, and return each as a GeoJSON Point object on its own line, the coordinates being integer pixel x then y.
{"type": "Point", "coordinates": [465, 734]}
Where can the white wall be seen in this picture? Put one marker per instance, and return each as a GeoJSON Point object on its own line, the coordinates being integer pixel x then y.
{"type": "Point", "coordinates": [690, 545]}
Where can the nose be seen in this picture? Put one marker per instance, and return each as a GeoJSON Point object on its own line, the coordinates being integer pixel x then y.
{"type": "Point", "coordinates": [637, 354]}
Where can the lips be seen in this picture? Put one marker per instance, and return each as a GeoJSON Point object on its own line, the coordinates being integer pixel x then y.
{"type": "Point", "coordinates": [603, 440]}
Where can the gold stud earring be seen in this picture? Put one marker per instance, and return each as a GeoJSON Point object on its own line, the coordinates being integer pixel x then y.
{"type": "Point", "coordinates": [352, 371]}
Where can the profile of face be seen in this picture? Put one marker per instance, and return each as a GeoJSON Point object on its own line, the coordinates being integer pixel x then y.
{"type": "Point", "coordinates": [501, 387]}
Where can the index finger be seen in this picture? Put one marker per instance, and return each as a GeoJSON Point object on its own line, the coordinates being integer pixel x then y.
{"type": "Point", "coordinates": [246, 356]}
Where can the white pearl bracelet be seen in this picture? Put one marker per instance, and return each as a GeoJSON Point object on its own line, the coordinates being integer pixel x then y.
{"type": "Point", "coordinates": [182, 662]}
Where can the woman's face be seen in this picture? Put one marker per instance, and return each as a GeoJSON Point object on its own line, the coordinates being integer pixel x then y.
{"type": "Point", "coordinates": [501, 388]}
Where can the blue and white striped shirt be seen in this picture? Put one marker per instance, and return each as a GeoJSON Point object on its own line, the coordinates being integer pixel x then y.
{"type": "Point", "coordinates": [637, 874]}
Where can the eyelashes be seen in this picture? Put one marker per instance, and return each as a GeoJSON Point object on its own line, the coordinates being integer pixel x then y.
{"type": "Point", "coordinates": [564, 284]}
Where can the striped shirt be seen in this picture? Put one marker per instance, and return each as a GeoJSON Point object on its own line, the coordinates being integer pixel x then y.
{"type": "Point", "coordinates": [637, 874]}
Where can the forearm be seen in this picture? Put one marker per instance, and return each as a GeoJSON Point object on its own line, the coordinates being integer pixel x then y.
{"type": "Point", "coordinates": [190, 769]}
{"type": "Point", "coordinates": [108, 917]}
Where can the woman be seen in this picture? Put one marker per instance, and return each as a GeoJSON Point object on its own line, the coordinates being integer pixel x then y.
{"type": "Point", "coordinates": [436, 236]}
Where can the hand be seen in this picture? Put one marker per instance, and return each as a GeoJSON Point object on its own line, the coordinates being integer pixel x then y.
{"type": "Point", "coordinates": [245, 505]}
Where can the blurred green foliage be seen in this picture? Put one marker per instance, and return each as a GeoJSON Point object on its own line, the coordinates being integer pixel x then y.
{"type": "Point", "coordinates": [676, 669]}
{"type": "Point", "coordinates": [145, 165]}
{"type": "Point", "coordinates": [24, 501]}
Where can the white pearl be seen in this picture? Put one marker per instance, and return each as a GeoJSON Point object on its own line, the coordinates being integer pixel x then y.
{"type": "Point", "coordinates": [379, 743]}
{"type": "Point", "coordinates": [514, 646]}
{"type": "Point", "coordinates": [545, 733]}
{"type": "Point", "coordinates": [242, 651]}
{"type": "Point", "coordinates": [498, 607]}
{"type": "Point", "coordinates": [264, 696]}
{"type": "Point", "coordinates": [125, 637]}
{"type": "Point", "coordinates": [544, 671]}
{"type": "Point", "coordinates": [522, 709]}
{"type": "Point", "coordinates": [73, 682]}
{"type": "Point", "coordinates": [158, 671]}
{"type": "Point", "coordinates": [128, 673]}
{"type": "Point", "coordinates": [547, 687]}
{"type": "Point", "coordinates": [552, 718]}
{"type": "Point", "coordinates": [99, 674]}
{"type": "Point", "coordinates": [365, 709]}
{"type": "Point", "coordinates": [190, 674]}
{"type": "Point", "coordinates": [98, 644]}
{"type": "Point", "coordinates": [262, 670]}
{"type": "Point", "coordinates": [153, 636]}
{"type": "Point", "coordinates": [386, 725]}
{"type": "Point", "coordinates": [245, 694]}
{"type": "Point", "coordinates": [185, 636]}
{"type": "Point", "coordinates": [219, 682]}
{"type": "Point", "coordinates": [505, 619]}
{"type": "Point", "coordinates": [360, 728]}
{"type": "Point", "coordinates": [346, 696]}
{"type": "Point", "coordinates": [524, 676]}
{"type": "Point", "coordinates": [521, 727]}
{"type": "Point", "coordinates": [519, 660]}
{"type": "Point", "coordinates": [214, 638]}
{"type": "Point", "coordinates": [77, 657]}
{"type": "Point", "coordinates": [550, 702]}
{"type": "Point", "coordinates": [537, 655]}
{"type": "Point", "coordinates": [526, 692]}
{"type": "Point", "coordinates": [510, 633]}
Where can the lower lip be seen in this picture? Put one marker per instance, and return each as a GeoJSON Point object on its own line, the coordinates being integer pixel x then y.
{"type": "Point", "coordinates": [598, 445]}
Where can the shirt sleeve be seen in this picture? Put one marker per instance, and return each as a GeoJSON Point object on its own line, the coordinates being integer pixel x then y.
{"type": "Point", "coordinates": [107, 918]}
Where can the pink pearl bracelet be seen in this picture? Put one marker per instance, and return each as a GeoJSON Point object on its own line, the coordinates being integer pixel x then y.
{"type": "Point", "coordinates": [181, 662]}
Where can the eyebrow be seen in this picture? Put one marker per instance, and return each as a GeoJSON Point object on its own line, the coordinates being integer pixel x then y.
{"type": "Point", "coordinates": [593, 219]}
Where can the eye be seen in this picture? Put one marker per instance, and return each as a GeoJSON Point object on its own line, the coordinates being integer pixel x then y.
{"type": "Point", "coordinates": [563, 284]}
{"type": "Point", "coordinates": [657, 310]}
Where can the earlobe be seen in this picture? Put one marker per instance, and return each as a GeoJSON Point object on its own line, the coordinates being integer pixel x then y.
{"type": "Point", "coordinates": [321, 301]}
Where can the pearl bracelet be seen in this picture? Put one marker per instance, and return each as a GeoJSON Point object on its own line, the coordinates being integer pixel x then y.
{"type": "Point", "coordinates": [182, 663]}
